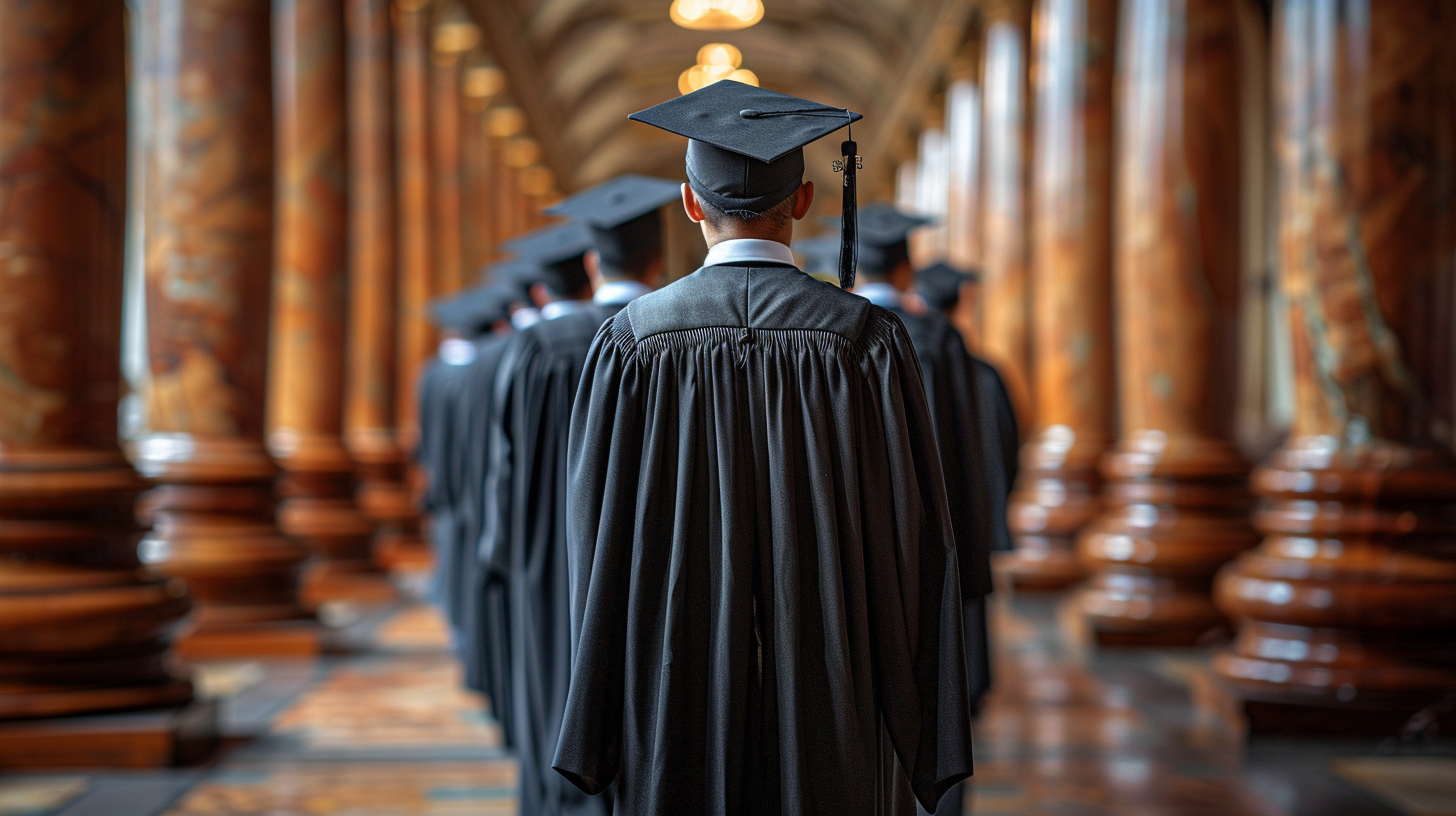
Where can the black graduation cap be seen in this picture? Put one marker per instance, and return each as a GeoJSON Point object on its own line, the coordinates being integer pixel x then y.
{"type": "Point", "coordinates": [746, 149]}
{"type": "Point", "coordinates": [471, 312]}
{"type": "Point", "coordinates": [558, 251]}
{"type": "Point", "coordinates": [884, 233]}
{"type": "Point", "coordinates": [622, 215]}
{"type": "Point", "coordinates": [518, 273]}
{"type": "Point", "coordinates": [939, 284]}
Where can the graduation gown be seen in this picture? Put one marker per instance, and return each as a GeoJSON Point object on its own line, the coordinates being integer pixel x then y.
{"type": "Point", "coordinates": [524, 544]}
{"type": "Point", "coordinates": [482, 637]}
{"type": "Point", "coordinates": [1003, 449]}
{"type": "Point", "coordinates": [438, 385]}
{"type": "Point", "coordinates": [765, 600]}
{"type": "Point", "coordinates": [954, 395]}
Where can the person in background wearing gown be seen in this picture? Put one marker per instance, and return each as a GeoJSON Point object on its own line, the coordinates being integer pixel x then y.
{"type": "Point", "coordinates": [485, 614]}
{"type": "Point", "coordinates": [766, 610]}
{"type": "Point", "coordinates": [941, 287]}
{"type": "Point", "coordinates": [624, 216]}
{"type": "Point", "coordinates": [470, 322]}
{"type": "Point", "coordinates": [524, 540]}
{"type": "Point", "coordinates": [885, 278]}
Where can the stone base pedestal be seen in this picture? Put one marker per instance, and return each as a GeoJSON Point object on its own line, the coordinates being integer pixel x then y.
{"type": "Point", "coordinates": [300, 638]}
{"type": "Point", "coordinates": [156, 738]}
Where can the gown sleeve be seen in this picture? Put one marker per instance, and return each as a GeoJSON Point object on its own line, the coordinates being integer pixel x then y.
{"type": "Point", "coordinates": [604, 462]}
{"type": "Point", "coordinates": [918, 646]}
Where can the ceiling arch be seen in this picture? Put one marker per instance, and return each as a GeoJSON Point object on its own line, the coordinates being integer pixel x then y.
{"type": "Point", "coordinates": [578, 67]}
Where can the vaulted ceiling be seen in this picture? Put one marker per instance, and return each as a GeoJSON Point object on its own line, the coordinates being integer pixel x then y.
{"type": "Point", "coordinates": [578, 67]}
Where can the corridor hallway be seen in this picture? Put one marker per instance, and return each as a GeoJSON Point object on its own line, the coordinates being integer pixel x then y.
{"type": "Point", "coordinates": [381, 728]}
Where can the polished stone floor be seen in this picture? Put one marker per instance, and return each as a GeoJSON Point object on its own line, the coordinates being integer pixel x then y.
{"type": "Point", "coordinates": [381, 728]}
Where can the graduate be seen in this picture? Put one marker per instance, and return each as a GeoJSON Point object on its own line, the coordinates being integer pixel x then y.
{"type": "Point", "coordinates": [624, 216]}
{"type": "Point", "coordinates": [885, 278]}
{"type": "Point", "coordinates": [766, 609]}
{"type": "Point", "coordinates": [465, 320]}
{"type": "Point", "coordinates": [483, 638]}
{"type": "Point", "coordinates": [524, 541]}
{"type": "Point", "coordinates": [941, 287]}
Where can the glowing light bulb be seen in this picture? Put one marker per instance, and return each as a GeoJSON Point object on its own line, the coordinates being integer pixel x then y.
{"type": "Point", "coordinates": [720, 54]}
{"type": "Point", "coordinates": [522, 151]}
{"type": "Point", "coordinates": [506, 121]}
{"type": "Point", "coordinates": [745, 76]}
{"type": "Point", "coordinates": [723, 15]}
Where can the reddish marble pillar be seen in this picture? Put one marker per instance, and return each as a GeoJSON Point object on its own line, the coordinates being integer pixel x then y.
{"type": "Point", "coordinates": [1177, 489]}
{"type": "Point", "coordinates": [83, 627]}
{"type": "Point", "coordinates": [1005, 215]}
{"type": "Point", "coordinates": [448, 196]}
{"type": "Point", "coordinates": [416, 276]}
{"type": "Point", "coordinates": [370, 432]}
{"type": "Point", "coordinates": [510, 218]}
{"type": "Point", "coordinates": [963, 204]}
{"type": "Point", "coordinates": [1071, 271]}
{"type": "Point", "coordinates": [306, 389]}
{"type": "Point", "coordinates": [1350, 601]}
{"type": "Point", "coordinates": [478, 216]}
{"type": "Point", "coordinates": [209, 255]}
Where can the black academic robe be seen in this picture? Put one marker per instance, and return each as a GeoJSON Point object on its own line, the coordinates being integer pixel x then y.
{"type": "Point", "coordinates": [524, 544]}
{"type": "Point", "coordinates": [953, 393]}
{"type": "Point", "coordinates": [482, 637]}
{"type": "Point", "coordinates": [439, 385]}
{"type": "Point", "coordinates": [766, 606]}
{"type": "Point", "coordinates": [1003, 449]}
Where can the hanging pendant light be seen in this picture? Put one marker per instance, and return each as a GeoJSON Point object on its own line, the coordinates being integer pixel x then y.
{"type": "Point", "coordinates": [715, 61]}
{"type": "Point", "coordinates": [722, 15]}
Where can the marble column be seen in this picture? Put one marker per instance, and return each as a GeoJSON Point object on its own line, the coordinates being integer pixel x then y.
{"type": "Point", "coordinates": [482, 82]}
{"type": "Point", "coordinates": [1071, 272]}
{"type": "Point", "coordinates": [83, 627]}
{"type": "Point", "coordinates": [1350, 601]}
{"type": "Point", "coordinates": [306, 388]}
{"type": "Point", "coordinates": [963, 204]}
{"type": "Point", "coordinates": [1176, 492]}
{"type": "Point", "coordinates": [1005, 215]}
{"type": "Point", "coordinates": [209, 254]}
{"type": "Point", "coordinates": [370, 432]}
{"type": "Point", "coordinates": [446, 190]}
{"type": "Point", "coordinates": [416, 271]}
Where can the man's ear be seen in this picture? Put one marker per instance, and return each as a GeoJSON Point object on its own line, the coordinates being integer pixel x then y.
{"type": "Point", "coordinates": [690, 203]}
{"type": "Point", "coordinates": [805, 198]}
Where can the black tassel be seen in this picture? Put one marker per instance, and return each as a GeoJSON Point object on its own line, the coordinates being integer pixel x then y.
{"type": "Point", "coordinates": [849, 217]}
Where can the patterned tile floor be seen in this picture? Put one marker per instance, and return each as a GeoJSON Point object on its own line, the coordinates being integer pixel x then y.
{"type": "Point", "coordinates": [385, 730]}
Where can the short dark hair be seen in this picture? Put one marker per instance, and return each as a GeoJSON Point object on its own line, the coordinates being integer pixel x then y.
{"type": "Point", "coordinates": [776, 217]}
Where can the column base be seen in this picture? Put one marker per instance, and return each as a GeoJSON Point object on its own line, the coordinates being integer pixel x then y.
{"type": "Point", "coordinates": [1042, 564]}
{"type": "Point", "coordinates": [407, 551]}
{"type": "Point", "coordinates": [338, 581]}
{"type": "Point", "coordinates": [1122, 609]}
{"type": "Point", "coordinates": [296, 638]}
{"type": "Point", "coordinates": [1055, 497]}
{"type": "Point", "coordinates": [1244, 715]}
{"type": "Point", "coordinates": [159, 738]}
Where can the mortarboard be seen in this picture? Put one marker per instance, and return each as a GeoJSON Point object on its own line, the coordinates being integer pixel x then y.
{"type": "Point", "coordinates": [622, 215]}
{"type": "Point", "coordinates": [883, 236]}
{"type": "Point", "coordinates": [746, 149]}
{"type": "Point", "coordinates": [472, 311]}
{"type": "Point", "coordinates": [519, 273]}
{"type": "Point", "coordinates": [558, 251]}
{"type": "Point", "coordinates": [939, 284]}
